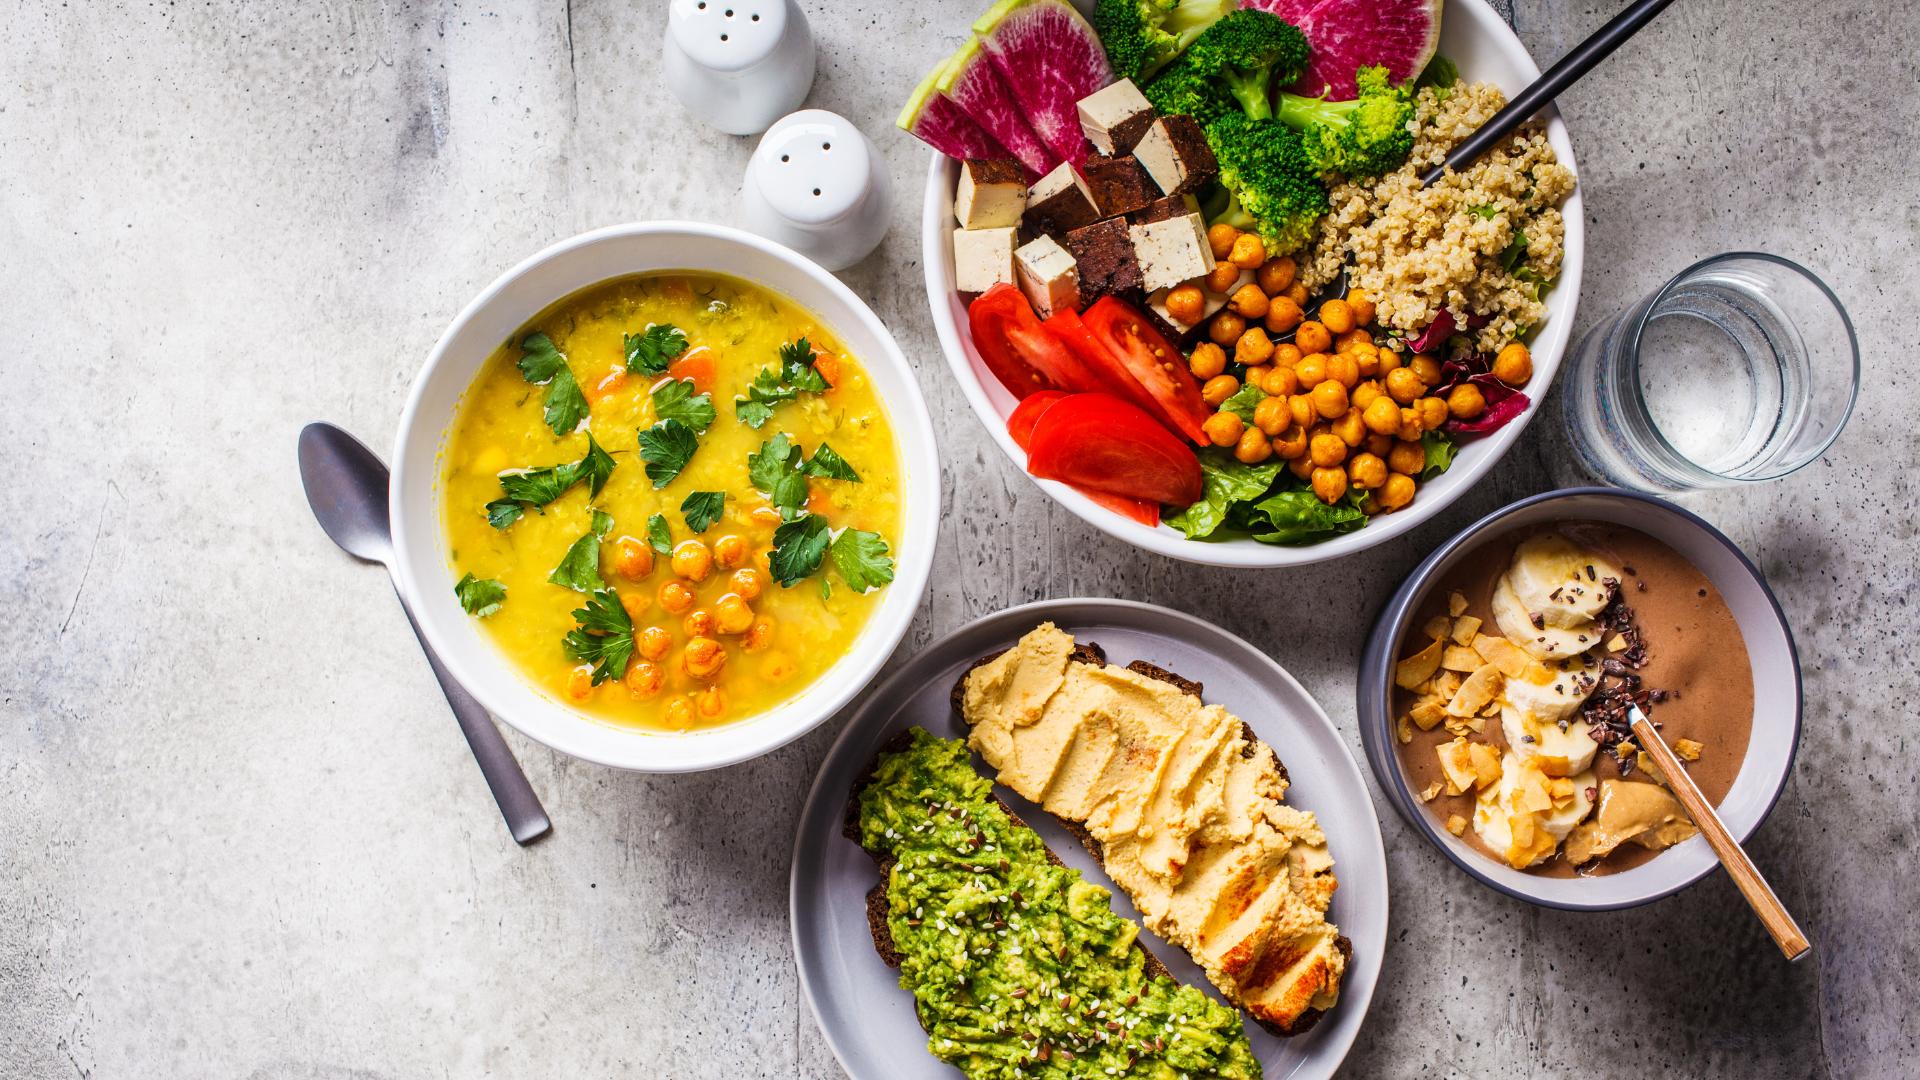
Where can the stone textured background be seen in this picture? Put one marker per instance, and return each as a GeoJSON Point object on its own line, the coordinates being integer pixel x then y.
{"type": "Point", "coordinates": [241, 837]}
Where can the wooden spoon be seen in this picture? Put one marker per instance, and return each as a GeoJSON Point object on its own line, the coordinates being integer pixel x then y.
{"type": "Point", "coordinates": [1773, 914]}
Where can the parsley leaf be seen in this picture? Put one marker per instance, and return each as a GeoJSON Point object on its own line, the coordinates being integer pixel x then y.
{"type": "Point", "coordinates": [480, 597]}
{"type": "Point", "coordinates": [830, 465]}
{"type": "Point", "coordinates": [756, 408]}
{"type": "Point", "coordinates": [658, 538]}
{"type": "Point", "coordinates": [675, 400]}
{"type": "Point", "coordinates": [798, 547]}
{"type": "Point", "coordinates": [776, 470]}
{"type": "Point", "coordinates": [797, 370]}
{"type": "Point", "coordinates": [579, 568]}
{"type": "Point", "coordinates": [604, 636]}
{"type": "Point", "coordinates": [702, 509]}
{"type": "Point", "coordinates": [649, 352]}
{"type": "Point", "coordinates": [542, 362]}
{"type": "Point", "coordinates": [523, 488]}
{"type": "Point", "coordinates": [861, 557]}
{"type": "Point", "coordinates": [666, 447]}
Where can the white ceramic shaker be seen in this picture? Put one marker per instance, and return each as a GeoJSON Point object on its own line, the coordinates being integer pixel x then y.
{"type": "Point", "coordinates": [738, 64]}
{"type": "Point", "coordinates": [819, 186]}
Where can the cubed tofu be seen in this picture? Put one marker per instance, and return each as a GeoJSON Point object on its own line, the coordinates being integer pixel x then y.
{"type": "Point", "coordinates": [1174, 152]}
{"type": "Point", "coordinates": [1058, 203]}
{"type": "Point", "coordinates": [1107, 261]}
{"type": "Point", "coordinates": [1049, 276]}
{"type": "Point", "coordinates": [992, 194]}
{"type": "Point", "coordinates": [1117, 185]}
{"type": "Point", "coordinates": [1171, 251]}
{"type": "Point", "coordinates": [983, 258]}
{"type": "Point", "coordinates": [1115, 116]}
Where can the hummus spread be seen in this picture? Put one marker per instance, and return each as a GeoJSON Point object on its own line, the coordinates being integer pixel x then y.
{"type": "Point", "coordinates": [1186, 807]}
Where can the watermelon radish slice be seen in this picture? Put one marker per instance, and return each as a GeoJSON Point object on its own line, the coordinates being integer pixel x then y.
{"type": "Point", "coordinates": [977, 86]}
{"type": "Point", "coordinates": [1400, 35]}
{"type": "Point", "coordinates": [934, 119]}
{"type": "Point", "coordinates": [1051, 58]}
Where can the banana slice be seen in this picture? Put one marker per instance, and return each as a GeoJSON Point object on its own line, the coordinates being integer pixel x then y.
{"type": "Point", "coordinates": [1543, 642]}
{"type": "Point", "coordinates": [1524, 817]}
{"type": "Point", "coordinates": [1557, 752]}
{"type": "Point", "coordinates": [1560, 580]}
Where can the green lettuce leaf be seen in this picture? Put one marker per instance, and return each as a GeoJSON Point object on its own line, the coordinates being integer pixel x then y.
{"type": "Point", "coordinates": [1227, 481]}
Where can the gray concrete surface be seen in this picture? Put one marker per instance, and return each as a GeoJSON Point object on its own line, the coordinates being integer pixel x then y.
{"type": "Point", "coordinates": [240, 835]}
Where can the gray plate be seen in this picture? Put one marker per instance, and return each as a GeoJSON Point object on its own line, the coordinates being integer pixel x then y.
{"type": "Point", "coordinates": [868, 1019]}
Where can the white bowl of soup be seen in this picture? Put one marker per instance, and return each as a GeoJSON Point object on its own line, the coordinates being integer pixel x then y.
{"type": "Point", "coordinates": [665, 496]}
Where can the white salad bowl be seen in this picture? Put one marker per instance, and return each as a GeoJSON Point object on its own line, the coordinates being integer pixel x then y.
{"type": "Point", "coordinates": [1485, 49]}
{"type": "Point", "coordinates": [426, 574]}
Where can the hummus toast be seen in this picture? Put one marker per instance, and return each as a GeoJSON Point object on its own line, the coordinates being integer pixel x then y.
{"type": "Point", "coordinates": [1184, 808]}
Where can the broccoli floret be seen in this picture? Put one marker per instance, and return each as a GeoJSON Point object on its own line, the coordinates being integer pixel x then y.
{"type": "Point", "coordinates": [1265, 171]}
{"type": "Point", "coordinates": [1143, 36]}
{"type": "Point", "coordinates": [1248, 51]}
{"type": "Point", "coordinates": [1181, 91]}
{"type": "Point", "coordinates": [1362, 138]}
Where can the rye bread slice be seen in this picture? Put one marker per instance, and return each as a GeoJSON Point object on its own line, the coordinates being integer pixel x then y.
{"type": "Point", "coordinates": [1091, 653]}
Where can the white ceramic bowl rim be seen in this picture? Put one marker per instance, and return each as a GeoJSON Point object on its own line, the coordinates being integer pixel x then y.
{"type": "Point", "coordinates": [422, 568]}
{"type": "Point", "coordinates": [1396, 615]}
{"type": "Point", "coordinates": [1476, 458]}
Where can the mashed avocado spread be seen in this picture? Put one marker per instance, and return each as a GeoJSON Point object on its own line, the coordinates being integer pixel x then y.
{"type": "Point", "coordinates": [1017, 966]}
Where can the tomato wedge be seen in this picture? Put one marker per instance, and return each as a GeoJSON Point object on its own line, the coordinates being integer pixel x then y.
{"type": "Point", "coordinates": [1153, 361]}
{"type": "Point", "coordinates": [1018, 350]}
{"type": "Point", "coordinates": [1099, 442]}
{"type": "Point", "coordinates": [1111, 376]}
{"type": "Point", "coordinates": [1140, 510]}
{"type": "Point", "coordinates": [1027, 413]}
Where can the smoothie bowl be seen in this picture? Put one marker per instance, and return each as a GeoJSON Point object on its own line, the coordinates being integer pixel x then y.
{"type": "Point", "coordinates": [665, 496]}
{"type": "Point", "coordinates": [1495, 687]}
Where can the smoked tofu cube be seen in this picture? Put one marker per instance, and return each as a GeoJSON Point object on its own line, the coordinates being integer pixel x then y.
{"type": "Point", "coordinates": [1118, 185]}
{"type": "Point", "coordinates": [1175, 154]}
{"type": "Point", "coordinates": [1058, 203]}
{"type": "Point", "coordinates": [992, 194]}
{"type": "Point", "coordinates": [1171, 251]}
{"type": "Point", "coordinates": [1107, 261]}
{"type": "Point", "coordinates": [1115, 117]}
{"type": "Point", "coordinates": [982, 258]}
{"type": "Point", "coordinates": [1049, 276]}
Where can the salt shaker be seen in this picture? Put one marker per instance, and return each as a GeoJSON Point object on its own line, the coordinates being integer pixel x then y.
{"type": "Point", "coordinates": [738, 64]}
{"type": "Point", "coordinates": [817, 185]}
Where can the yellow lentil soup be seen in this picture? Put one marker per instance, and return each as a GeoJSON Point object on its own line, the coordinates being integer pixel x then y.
{"type": "Point", "coordinates": [672, 500]}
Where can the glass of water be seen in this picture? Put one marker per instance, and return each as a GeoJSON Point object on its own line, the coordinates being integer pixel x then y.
{"type": "Point", "coordinates": [1743, 368]}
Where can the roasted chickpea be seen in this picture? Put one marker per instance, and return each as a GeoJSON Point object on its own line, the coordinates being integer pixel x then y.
{"type": "Point", "coordinates": [1291, 443]}
{"type": "Point", "coordinates": [746, 581]}
{"type": "Point", "coordinates": [678, 713]}
{"type": "Point", "coordinates": [1272, 416]}
{"type": "Point", "coordinates": [1389, 360]}
{"type": "Point", "coordinates": [1343, 369]}
{"type": "Point", "coordinates": [1186, 304]}
{"type": "Point", "coordinates": [1407, 457]}
{"type": "Point", "coordinates": [1350, 429]}
{"type": "Point", "coordinates": [1336, 316]}
{"type": "Point", "coordinates": [1253, 447]}
{"type": "Point", "coordinates": [1410, 425]}
{"type": "Point", "coordinates": [1207, 360]}
{"type": "Point", "coordinates": [1379, 445]}
{"type": "Point", "coordinates": [644, 679]}
{"type": "Point", "coordinates": [692, 560]}
{"type": "Point", "coordinates": [676, 598]}
{"type": "Point", "coordinates": [1280, 381]}
{"type": "Point", "coordinates": [1311, 371]}
{"type": "Point", "coordinates": [1220, 238]}
{"type": "Point", "coordinates": [1219, 388]}
{"type": "Point", "coordinates": [1226, 328]}
{"type": "Point", "coordinates": [1301, 466]}
{"type": "Point", "coordinates": [760, 636]}
{"type": "Point", "coordinates": [654, 642]}
{"type": "Point", "coordinates": [1327, 450]}
{"type": "Point", "coordinates": [1304, 414]}
{"type": "Point", "coordinates": [1426, 367]}
{"type": "Point", "coordinates": [1365, 394]}
{"type": "Point", "coordinates": [1312, 337]}
{"type": "Point", "coordinates": [1248, 252]}
{"type": "Point", "coordinates": [632, 558]}
{"type": "Point", "coordinates": [1351, 340]}
{"type": "Point", "coordinates": [1224, 428]}
{"type": "Point", "coordinates": [1362, 306]}
{"type": "Point", "coordinates": [1395, 493]}
{"type": "Point", "coordinates": [1297, 292]}
{"type": "Point", "coordinates": [1366, 471]}
{"type": "Point", "coordinates": [1329, 484]}
{"type": "Point", "coordinates": [1287, 353]}
{"type": "Point", "coordinates": [703, 658]}
{"type": "Point", "coordinates": [1276, 274]}
{"type": "Point", "coordinates": [1248, 301]}
{"type": "Point", "coordinates": [711, 703]}
{"type": "Point", "coordinates": [731, 551]}
{"type": "Point", "coordinates": [1513, 365]}
{"type": "Point", "coordinates": [698, 623]}
{"type": "Point", "coordinates": [1404, 386]}
{"type": "Point", "coordinates": [1330, 399]}
{"type": "Point", "coordinates": [1466, 401]}
{"type": "Point", "coordinates": [1382, 415]}
{"type": "Point", "coordinates": [580, 683]}
{"type": "Point", "coordinates": [1222, 278]}
{"type": "Point", "coordinates": [1433, 413]}
{"type": "Point", "coordinates": [1254, 347]}
{"type": "Point", "coordinates": [1366, 360]}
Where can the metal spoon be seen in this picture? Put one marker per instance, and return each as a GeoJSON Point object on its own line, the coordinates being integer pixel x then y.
{"type": "Point", "coordinates": [347, 488]}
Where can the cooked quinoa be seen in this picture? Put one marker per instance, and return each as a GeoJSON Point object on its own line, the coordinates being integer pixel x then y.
{"type": "Point", "coordinates": [1417, 250]}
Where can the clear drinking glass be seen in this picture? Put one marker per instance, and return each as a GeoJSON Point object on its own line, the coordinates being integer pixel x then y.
{"type": "Point", "coordinates": [1742, 368]}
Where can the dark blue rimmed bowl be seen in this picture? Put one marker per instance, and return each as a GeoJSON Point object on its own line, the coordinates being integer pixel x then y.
{"type": "Point", "coordinates": [1772, 658]}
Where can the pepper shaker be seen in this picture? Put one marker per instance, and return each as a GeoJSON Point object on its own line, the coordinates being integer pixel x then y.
{"type": "Point", "coordinates": [817, 185]}
{"type": "Point", "coordinates": [738, 64]}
